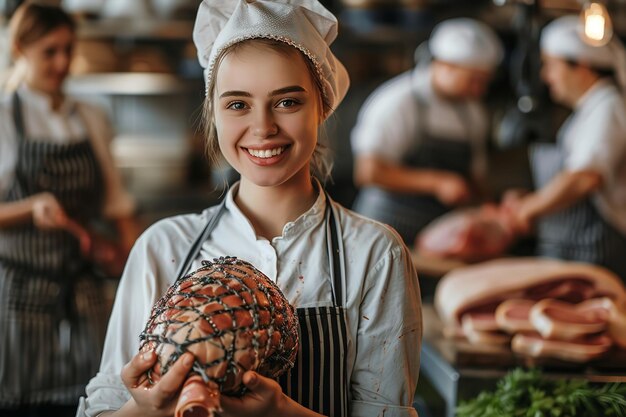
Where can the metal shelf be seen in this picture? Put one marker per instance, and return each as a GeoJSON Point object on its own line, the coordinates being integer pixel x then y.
{"type": "Point", "coordinates": [133, 84]}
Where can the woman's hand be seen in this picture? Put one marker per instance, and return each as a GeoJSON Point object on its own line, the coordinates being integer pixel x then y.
{"type": "Point", "coordinates": [47, 212]}
{"type": "Point", "coordinates": [158, 399]}
{"type": "Point", "coordinates": [264, 398]}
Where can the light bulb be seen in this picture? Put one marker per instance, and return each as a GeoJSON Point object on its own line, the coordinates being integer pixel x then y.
{"type": "Point", "coordinates": [598, 28]}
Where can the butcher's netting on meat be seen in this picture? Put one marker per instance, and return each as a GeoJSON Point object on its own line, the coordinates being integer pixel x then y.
{"type": "Point", "coordinates": [231, 317]}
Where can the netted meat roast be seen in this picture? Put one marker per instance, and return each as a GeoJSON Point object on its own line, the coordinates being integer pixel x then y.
{"type": "Point", "coordinates": [233, 318]}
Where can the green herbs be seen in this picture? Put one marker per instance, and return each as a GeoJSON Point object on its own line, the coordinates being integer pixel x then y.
{"type": "Point", "coordinates": [528, 394]}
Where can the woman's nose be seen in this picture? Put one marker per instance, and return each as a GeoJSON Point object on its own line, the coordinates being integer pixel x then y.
{"type": "Point", "coordinates": [62, 60]}
{"type": "Point", "coordinates": [264, 124]}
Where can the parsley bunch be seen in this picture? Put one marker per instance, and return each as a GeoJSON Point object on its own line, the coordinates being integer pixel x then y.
{"type": "Point", "coordinates": [528, 394]}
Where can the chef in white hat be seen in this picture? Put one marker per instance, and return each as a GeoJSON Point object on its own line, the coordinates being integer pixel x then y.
{"type": "Point", "coordinates": [271, 81]}
{"type": "Point", "coordinates": [580, 205]}
{"type": "Point", "coordinates": [419, 141]}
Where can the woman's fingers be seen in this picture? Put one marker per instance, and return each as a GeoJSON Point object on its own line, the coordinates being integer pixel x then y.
{"type": "Point", "coordinates": [263, 398]}
{"type": "Point", "coordinates": [47, 212]}
{"type": "Point", "coordinates": [133, 373]}
{"type": "Point", "coordinates": [171, 383]}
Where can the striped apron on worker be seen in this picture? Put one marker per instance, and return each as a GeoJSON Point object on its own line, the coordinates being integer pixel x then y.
{"type": "Point", "coordinates": [410, 213]}
{"type": "Point", "coordinates": [579, 232]}
{"type": "Point", "coordinates": [52, 310]}
{"type": "Point", "coordinates": [318, 379]}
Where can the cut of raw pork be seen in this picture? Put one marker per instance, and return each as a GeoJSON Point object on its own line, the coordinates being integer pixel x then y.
{"type": "Point", "coordinates": [232, 318]}
{"type": "Point", "coordinates": [470, 235]}
{"type": "Point", "coordinates": [567, 310]}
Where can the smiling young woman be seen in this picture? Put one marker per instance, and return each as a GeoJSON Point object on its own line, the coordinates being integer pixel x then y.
{"type": "Point", "coordinates": [271, 82]}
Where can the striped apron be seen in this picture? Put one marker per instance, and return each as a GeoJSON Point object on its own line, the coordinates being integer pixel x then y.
{"type": "Point", "coordinates": [318, 379]}
{"type": "Point", "coordinates": [579, 232]}
{"type": "Point", "coordinates": [410, 213]}
{"type": "Point", "coordinates": [52, 312]}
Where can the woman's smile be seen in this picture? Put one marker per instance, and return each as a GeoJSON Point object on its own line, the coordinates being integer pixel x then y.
{"type": "Point", "coordinates": [266, 153]}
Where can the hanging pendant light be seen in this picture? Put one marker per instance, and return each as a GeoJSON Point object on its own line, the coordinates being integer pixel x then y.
{"type": "Point", "coordinates": [598, 28]}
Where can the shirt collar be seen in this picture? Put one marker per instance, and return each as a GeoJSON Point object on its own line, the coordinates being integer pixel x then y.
{"type": "Point", "coordinates": [306, 220]}
{"type": "Point", "coordinates": [595, 93]}
{"type": "Point", "coordinates": [421, 82]}
{"type": "Point", "coordinates": [42, 102]}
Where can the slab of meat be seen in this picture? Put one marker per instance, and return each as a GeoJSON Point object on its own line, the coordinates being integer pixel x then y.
{"type": "Point", "coordinates": [559, 320]}
{"type": "Point", "coordinates": [467, 234]}
{"type": "Point", "coordinates": [579, 350]}
{"type": "Point", "coordinates": [615, 315]}
{"type": "Point", "coordinates": [232, 318]}
{"type": "Point", "coordinates": [486, 285]}
{"type": "Point", "coordinates": [546, 304]}
{"type": "Point", "coordinates": [513, 316]}
{"type": "Point", "coordinates": [481, 329]}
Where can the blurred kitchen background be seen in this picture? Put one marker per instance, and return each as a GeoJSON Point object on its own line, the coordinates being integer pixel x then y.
{"type": "Point", "coordinates": [137, 59]}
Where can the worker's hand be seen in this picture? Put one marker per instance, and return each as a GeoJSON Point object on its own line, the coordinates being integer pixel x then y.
{"type": "Point", "coordinates": [523, 223]}
{"type": "Point", "coordinates": [47, 212]}
{"type": "Point", "coordinates": [451, 189]}
{"type": "Point", "coordinates": [159, 399]}
{"type": "Point", "coordinates": [515, 210]}
{"type": "Point", "coordinates": [264, 398]}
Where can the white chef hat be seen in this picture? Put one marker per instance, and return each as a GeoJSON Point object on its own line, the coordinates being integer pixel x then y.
{"type": "Point", "coordinates": [303, 24]}
{"type": "Point", "coordinates": [563, 38]}
{"type": "Point", "coordinates": [466, 42]}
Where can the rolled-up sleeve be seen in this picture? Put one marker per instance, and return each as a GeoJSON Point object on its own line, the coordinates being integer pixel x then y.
{"type": "Point", "coordinates": [389, 338]}
{"type": "Point", "coordinates": [386, 125]}
{"type": "Point", "coordinates": [596, 142]}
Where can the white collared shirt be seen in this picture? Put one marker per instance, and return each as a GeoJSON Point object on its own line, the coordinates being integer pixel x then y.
{"type": "Point", "coordinates": [381, 296]}
{"type": "Point", "coordinates": [71, 123]}
{"type": "Point", "coordinates": [595, 138]}
{"type": "Point", "coordinates": [390, 121]}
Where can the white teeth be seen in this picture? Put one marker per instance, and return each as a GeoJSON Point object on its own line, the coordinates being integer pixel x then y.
{"type": "Point", "coordinates": [267, 153]}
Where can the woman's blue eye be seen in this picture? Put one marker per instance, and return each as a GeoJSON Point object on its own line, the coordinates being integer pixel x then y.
{"type": "Point", "coordinates": [288, 102]}
{"type": "Point", "coordinates": [237, 105]}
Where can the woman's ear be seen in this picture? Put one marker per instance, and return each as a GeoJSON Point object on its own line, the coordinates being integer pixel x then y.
{"type": "Point", "coordinates": [322, 111]}
{"type": "Point", "coordinates": [16, 52]}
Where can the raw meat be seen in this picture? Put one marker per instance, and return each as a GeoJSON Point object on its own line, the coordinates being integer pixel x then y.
{"type": "Point", "coordinates": [564, 321]}
{"type": "Point", "coordinates": [513, 316]}
{"type": "Point", "coordinates": [468, 234]}
{"type": "Point", "coordinates": [232, 318]}
{"type": "Point", "coordinates": [580, 350]}
{"type": "Point", "coordinates": [568, 310]}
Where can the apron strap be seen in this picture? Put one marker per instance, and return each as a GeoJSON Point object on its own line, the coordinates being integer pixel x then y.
{"type": "Point", "coordinates": [196, 246]}
{"type": "Point", "coordinates": [334, 253]}
{"type": "Point", "coordinates": [18, 119]}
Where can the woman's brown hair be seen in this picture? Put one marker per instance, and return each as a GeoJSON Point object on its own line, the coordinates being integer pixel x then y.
{"type": "Point", "coordinates": [32, 21]}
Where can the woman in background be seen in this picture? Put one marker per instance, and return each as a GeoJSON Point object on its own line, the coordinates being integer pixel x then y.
{"type": "Point", "coordinates": [56, 178]}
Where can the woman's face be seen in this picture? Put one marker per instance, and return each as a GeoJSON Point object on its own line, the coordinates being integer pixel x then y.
{"type": "Point", "coordinates": [454, 81]}
{"type": "Point", "coordinates": [267, 112]}
{"type": "Point", "coordinates": [48, 60]}
{"type": "Point", "coordinates": [561, 79]}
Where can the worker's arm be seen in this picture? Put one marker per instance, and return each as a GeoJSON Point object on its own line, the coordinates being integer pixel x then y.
{"type": "Point", "coordinates": [448, 187]}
